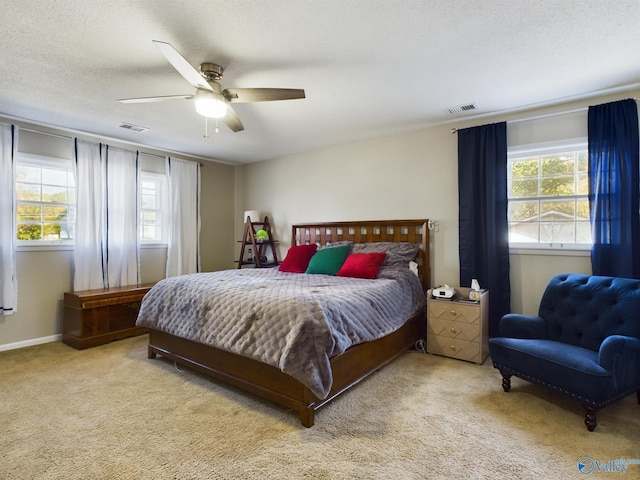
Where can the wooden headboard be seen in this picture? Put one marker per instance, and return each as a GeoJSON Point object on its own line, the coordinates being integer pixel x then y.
{"type": "Point", "coordinates": [368, 231]}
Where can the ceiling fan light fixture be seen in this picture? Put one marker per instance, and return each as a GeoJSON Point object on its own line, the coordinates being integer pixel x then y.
{"type": "Point", "coordinates": [211, 100]}
{"type": "Point", "coordinates": [210, 104]}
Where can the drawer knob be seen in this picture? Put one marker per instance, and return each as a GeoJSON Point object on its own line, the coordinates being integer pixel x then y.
{"type": "Point", "coordinates": [452, 312]}
{"type": "Point", "coordinates": [452, 347]}
{"type": "Point", "coordinates": [453, 330]}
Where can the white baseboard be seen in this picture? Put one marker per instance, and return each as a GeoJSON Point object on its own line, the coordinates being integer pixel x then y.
{"type": "Point", "coordinates": [30, 343]}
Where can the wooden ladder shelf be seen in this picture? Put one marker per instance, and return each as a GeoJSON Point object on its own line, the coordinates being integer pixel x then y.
{"type": "Point", "coordinates": [260, 248]}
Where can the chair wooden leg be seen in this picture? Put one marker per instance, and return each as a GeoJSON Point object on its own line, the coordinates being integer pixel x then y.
{"type": "Point", "coordinates": [590, 418]}
{"type": "Point", "coordinates": [506, 382]}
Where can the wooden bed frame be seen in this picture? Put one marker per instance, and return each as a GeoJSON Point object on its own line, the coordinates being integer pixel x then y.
{"type": "Point", "coordinates": [349, 368]}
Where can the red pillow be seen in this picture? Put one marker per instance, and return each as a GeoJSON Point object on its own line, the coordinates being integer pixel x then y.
{"type": "Point", "coordinates": [297, 259]}
{"type": "Point", "coordinates": [362, 265]}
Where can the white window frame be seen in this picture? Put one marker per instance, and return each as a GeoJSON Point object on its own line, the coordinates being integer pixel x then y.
{"type": "Point", "coordinates": [545, 149]}
{"type": "Point", "coordinates": [161, 210]}
{"type": "Point", "coordinates": [23, 158]}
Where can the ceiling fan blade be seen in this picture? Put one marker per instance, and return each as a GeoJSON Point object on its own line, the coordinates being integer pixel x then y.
{"type": "Point", "coordinates": [183, 67]}
{"type": "Point", "coordinates": [238, 95]}
{"type": "Point", "coordinates": [155, 99]}
{"type": "Point", "coordinates": [232, 120]}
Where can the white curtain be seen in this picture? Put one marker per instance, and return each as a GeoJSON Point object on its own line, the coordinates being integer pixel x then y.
{"type": "Point", "coordinates": [106, 252]}
{"type": "Point", "coordinates": [8, 278]}
{"type": "Point", "coordinates": [123, 267]}
{"type": "Point", "coordinates": [183, 255]}
{"type": "Point", "coordinates": [90, 227]}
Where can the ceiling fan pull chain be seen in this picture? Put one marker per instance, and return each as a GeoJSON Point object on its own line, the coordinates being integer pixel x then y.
{"type": "Point", "coordinates": [206, 127]}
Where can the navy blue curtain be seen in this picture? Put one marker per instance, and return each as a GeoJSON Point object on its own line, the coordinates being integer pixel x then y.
{"type": "Point", "coordinates": [483, 227]}
{"type": "Point", "coordinates": [614, 189]}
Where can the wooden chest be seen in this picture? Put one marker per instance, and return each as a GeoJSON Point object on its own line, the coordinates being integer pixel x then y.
{"type": "Point", "coordinates": [96, 317]}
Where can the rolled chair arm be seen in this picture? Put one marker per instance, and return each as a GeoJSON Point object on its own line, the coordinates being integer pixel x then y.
{"type": "Point", "coordinates": [619, 351]}
{"type": "Point", "coordinates": [515, 325]}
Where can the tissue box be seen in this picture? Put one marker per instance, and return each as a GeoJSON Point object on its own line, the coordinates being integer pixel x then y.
{"type": "Point", "coordinates": [475, 295]}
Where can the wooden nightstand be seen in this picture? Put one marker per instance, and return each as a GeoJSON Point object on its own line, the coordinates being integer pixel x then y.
{"type": "Point", "coordinates": [458, 328]}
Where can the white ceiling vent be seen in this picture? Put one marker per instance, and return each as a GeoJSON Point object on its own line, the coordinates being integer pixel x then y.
{"type": "Point", "coordinates": [463, 108]}
{"type": "Point", "coordinates": [135, 128]}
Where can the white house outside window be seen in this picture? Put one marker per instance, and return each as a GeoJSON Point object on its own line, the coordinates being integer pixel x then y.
{"type": "Point", "coordinates": [46, 199]}
{"type": "Point", "coordinates": [548, 196]}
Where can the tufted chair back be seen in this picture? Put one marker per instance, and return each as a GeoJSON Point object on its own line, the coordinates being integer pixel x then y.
{"type": "Point", "coordinates": [583, 310]}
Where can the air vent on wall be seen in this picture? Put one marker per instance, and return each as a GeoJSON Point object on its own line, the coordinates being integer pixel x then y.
{"type": "Point", "coordinates": [135, 128]}
{"type": "Point", "coordinates": [462, 108]}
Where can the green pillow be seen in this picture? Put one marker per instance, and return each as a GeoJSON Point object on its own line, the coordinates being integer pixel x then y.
{"type": "Point", "coordinates": [328, 260]}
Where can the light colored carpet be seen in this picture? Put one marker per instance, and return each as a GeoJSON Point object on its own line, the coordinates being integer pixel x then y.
{"type": "Point", "coordinates": [111, 413]}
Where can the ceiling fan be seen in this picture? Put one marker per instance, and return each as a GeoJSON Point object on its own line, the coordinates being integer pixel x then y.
{"type": "Point", "coordinates": [211, 100]}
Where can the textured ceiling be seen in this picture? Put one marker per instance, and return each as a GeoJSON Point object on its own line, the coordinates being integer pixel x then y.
{"type": "Point", "coordinates": [369, 67]}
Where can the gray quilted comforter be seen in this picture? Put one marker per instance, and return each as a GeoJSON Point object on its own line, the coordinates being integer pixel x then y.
{"type": "Point", "coordinates": [295, 322]}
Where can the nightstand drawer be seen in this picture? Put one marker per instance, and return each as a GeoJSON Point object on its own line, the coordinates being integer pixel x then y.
{"type": "Point", "coordinates": [455, 347]}
{"type": "Point", "coordinates": [454, 311]}
{"type": "Point", "coordinates": [471, 332]}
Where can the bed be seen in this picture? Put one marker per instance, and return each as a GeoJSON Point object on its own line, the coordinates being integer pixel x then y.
{"type": "Point", "coordinates": [185, 340]}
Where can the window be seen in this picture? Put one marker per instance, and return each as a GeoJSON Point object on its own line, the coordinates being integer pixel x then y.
{"type": "Point", "coordinates": [153, 208]}
{"type": "Point", "coordinates": [548, 196]}
{"type": "Point", "coordinates": [46, 199]}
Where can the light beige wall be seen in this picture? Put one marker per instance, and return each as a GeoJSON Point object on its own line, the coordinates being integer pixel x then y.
{"type": "Point", "coordinates": [217, 239]}
{"type": "Point", "coordinates": [530, 274]}
{"type": "Point", "coordinates": [44, 275]}
{"type": "Point", "coordinates": [399, 177]}
{"type": "Point", "coordinates": [413, 175]}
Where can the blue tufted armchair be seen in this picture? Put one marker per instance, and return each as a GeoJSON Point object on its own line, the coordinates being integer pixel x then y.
{"type": "Point", "coordinates": [584, 343]}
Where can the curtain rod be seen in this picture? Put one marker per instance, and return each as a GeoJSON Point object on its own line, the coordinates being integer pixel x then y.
{"type": "Point", "coordinates": [57, 135]}
{"type": "Point", "coordinates": [64, 132]}
{"type": "Point", "coordinates": [545, 115]}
